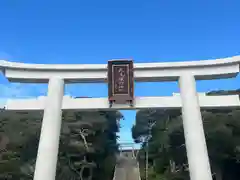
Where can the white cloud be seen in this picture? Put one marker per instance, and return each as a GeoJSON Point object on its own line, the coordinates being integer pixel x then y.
{"type": "Point", "coordinates": [13, 91]}
{"type": "Point", "coordinates": [18, 90]}
{"type": "Point", "coordinates": [125, 136]}
{"type": "Point", "coordinates": [5, 56]}
{"type": "Point", "coordinates": [2, 102]}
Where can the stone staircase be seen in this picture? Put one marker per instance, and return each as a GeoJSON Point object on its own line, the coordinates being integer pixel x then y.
{"type": "Point", "coordinates": [127, 168]}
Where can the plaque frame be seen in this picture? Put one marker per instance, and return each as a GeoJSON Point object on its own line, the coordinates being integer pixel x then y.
{"type": "Point", "coordinates": [114, 96]}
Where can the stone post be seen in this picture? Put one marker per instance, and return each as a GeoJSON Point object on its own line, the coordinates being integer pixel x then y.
{"type": "Point", "coordinates": [47, 156]}
{"type": "Point", "coordinates": [197, 153]}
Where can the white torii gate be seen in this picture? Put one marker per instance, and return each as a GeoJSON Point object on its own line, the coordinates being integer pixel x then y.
{"type": "Point", "coordinates": [186, 73]}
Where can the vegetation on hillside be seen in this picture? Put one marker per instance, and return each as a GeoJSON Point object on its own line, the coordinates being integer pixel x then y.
{"type": "Point", "coordinates": [167, 152]}
{"type": "Point", "coordinates": [87, 150]}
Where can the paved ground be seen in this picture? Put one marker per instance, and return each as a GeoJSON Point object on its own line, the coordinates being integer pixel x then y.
{"type": "Point", "coordinates": [127, 169]}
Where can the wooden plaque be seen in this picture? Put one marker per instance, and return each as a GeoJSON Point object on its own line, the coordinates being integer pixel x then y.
{"type": "Point", "coordinates": [120, 81]}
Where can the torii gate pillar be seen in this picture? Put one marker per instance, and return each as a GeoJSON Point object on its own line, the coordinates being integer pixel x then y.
{"type": "Point", "coordinates": [46, 164]}
{"type": "Point", "coordinates": [198, 161]}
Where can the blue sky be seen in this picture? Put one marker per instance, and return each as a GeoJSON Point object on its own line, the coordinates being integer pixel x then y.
{"type": "Point", "coordinates": [94, 31]}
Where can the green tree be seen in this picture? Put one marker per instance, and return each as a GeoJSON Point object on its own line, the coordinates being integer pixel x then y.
{"type": "Point", "coordinates": [88, 145]}
{"type": "Point", "coordinates": [167, 152]}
